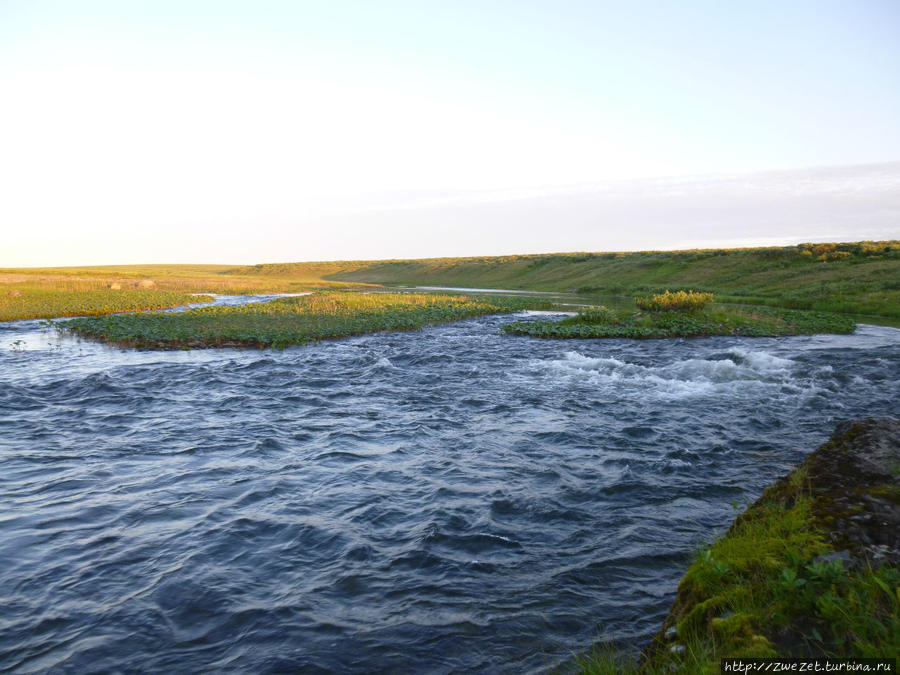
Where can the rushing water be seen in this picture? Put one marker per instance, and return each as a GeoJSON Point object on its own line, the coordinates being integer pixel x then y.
{"type": "Point", "coordinates": [447, 500]}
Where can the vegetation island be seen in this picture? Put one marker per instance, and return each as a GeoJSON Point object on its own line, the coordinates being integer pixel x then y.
{"type": "Point", "coordinates": [684, 314]}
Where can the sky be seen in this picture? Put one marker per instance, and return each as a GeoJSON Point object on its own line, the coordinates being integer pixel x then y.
{"type": "Point", "coordinates": [226, 132]}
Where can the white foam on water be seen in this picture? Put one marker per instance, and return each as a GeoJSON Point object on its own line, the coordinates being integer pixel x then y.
{"type": "Point", "coordinates": [762, 361]}
{"type": "Point", "coordinates": [680, 378]}
{"type": "Point", "coordinates": [676, 463]}
{"type": "Point", "coordinates": [490, 535]}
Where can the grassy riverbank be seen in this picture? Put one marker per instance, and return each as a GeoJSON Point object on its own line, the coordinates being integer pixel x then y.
{"type": "Point", "coordinates": [811, 569]}
{"type": "Point", "coordinates": [859, 278]}
{"type": "Point", "coordinates": [716, 320]}
{"type": "Point", "coordinates": [288, 321]}
{"type": "Point", "coordinates": [43, 303]}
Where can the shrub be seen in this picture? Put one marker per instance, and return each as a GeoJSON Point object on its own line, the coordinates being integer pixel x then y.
{"type": "Point", "coordinates": [675, 302]}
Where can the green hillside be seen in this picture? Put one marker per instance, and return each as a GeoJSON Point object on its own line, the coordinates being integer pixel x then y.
{"type": "Point", "coordinates": [858, 278]}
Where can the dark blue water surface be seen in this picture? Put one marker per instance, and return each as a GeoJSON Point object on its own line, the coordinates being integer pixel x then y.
{"type": "Point", "coordinates": [448, 500]}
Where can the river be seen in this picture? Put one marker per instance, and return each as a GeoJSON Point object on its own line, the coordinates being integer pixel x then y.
{"type": "Point", "coordinates": [447, 500]}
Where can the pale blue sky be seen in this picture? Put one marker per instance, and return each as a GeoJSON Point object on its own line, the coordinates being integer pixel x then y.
{"type": "Point", "coordinates": [315, 125]}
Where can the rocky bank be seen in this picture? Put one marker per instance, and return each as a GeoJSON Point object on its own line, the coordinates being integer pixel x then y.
{"type": "Point", "coordinates": [828, 537]}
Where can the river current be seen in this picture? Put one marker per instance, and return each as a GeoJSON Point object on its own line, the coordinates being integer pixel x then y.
{"type": "Point", "coordinates": [447, 500]}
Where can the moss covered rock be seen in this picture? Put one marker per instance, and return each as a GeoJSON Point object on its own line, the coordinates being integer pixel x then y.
{"type": "Point", "coordinates": [812, 568]}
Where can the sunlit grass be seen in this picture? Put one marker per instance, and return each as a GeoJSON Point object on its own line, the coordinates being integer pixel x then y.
{"type": "Point", "coordinates": [222, 279]}
{"type": "Point", "coordinates": [39, 303]}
